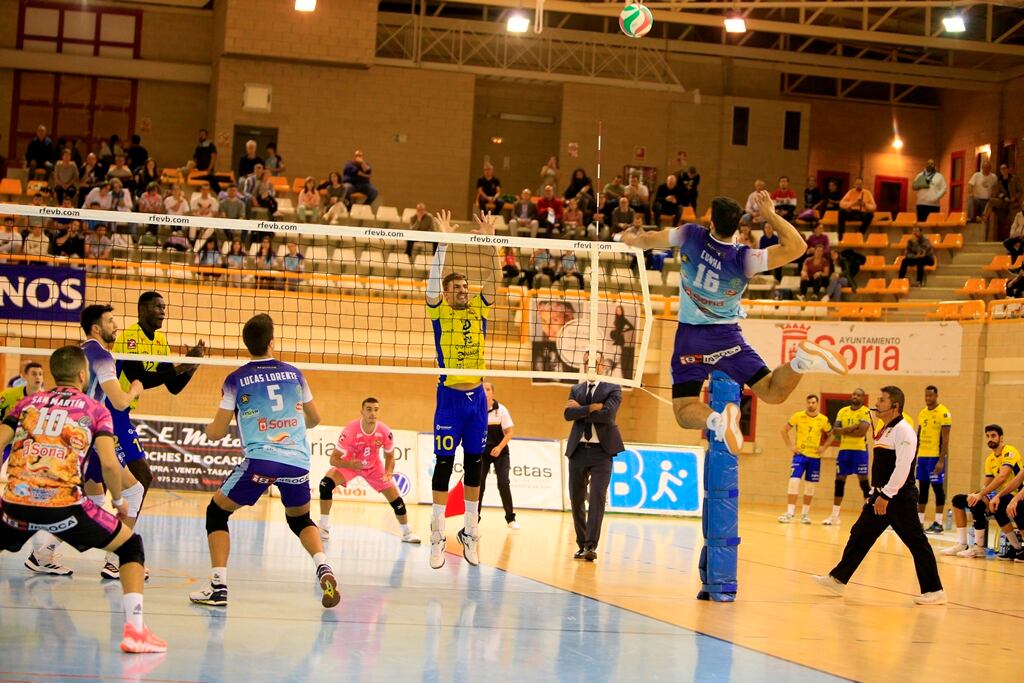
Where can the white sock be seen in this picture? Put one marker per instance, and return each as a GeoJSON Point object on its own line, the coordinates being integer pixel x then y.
{"type": "Point", "coordinates": [714, 421]}
{"type": "Point", "coordinates": [405, 528]}
{"type": "Point", "coordinates": [806, 509]}
{"type": "Point", "coordinates": [979, 537]}
{"type": "Point", "coordinates": [98, 500]}
{"type": "Point", "coordinates": [1014, 541]}
{"type": "Point", "coordinates": [961, 535]}
{"type": "Point", "coordinates": [325, 521]}
{"type": "Point", "coordinates": [791, 509]}
{"type": "Point", "coordinates": [437, 518]}
{"type": "Point", "coordinates": [44, 545]}
{"type": "Point", "coordinates": [320, 558]}
{"type": "Point", "coordinates": [920, 516]}
{"type": "Point", "coordinates": [113, 559]}
{"type": "Point", "coordinates": [835, 510]}
{"type": "Point", "coordinates": [799, 365]}
{"type": "Point", "coordinates": [938, 518]}
{"type": "Point", "coordinates": [132, 604]}
{"type": "Point", "coordinates": [219, 576]}
{"type": "Point", "coordinates": [472, 513]}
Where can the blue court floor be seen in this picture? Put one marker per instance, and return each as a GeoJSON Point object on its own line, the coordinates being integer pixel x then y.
{"type": "Point", "coordinates": [399, 620]}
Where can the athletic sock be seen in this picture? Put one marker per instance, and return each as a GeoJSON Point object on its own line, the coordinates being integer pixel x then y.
{"type": "Point", "coordinates": [405, 528]}
{"type": "Point", "coordinates": [113, 559]}
{"type": "Point", "coordinates": [835, 511]}
{"type": "Point", "coordinates": [219, 576]}
{"type": "Point", "coordinates": [713, 422]}
{"type": "Point", "coordinates": [325, 521]}
{"type": "Point", "coordinates": [320, 559]}
{"type": "Point", "coordinates": [791, 509]}
{"type": "Point", "coordinates": [1014, 541]}
{"type": "Point", "coordinates": [98, 500]}
{"type": "Point", "coordinates": [920, 517]}
{"type": "Point", "coordinates": [472, 514]}
{"type": "Point", "coordinates": [979, 537]}
{"type": "Point", "coordinates": [805, 510]}
{"type": "Point", "coordinates": [938, 519]}
{"type": "Point", "coordinates": [132, 604]}
{"type": "Point", "coordinates": [961, 535]}
{"type": "Point", "coordinates": [437, 518]}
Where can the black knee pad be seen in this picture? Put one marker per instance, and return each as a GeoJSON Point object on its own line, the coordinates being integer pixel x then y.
{"type": "Point", "coordinates": [141, 471]}
{"type": "Point", "coordinates": [297, 524]}
{"type": "Point", "coordinates": [940, 493]}
{"type": "Point", "coordinates": [471, 469]}
{"type": "Point", "coordinates": [840, 488]}
{"type": "Point", "coordinates": [326, 488]}
{"type": "Point", "coordinates": [865, 487]}
{"type": "Point", "coordinates": [216, 518]}
{"type": "Point", "coordinates": [131, 551]}
{"type": "Point", "coordinates": [922, 493]}
{"type": "Point", "coordinates": [443, 474]}
{"type": "Point", "coordinates": [959, 501]}
{"type": "Point", "coordinates": [398, 505]}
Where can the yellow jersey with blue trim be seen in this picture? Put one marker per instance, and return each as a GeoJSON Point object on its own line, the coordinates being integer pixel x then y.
{"type": "Point", "coordinates": [848, 417]}
{"type": "Point", "coordinates": [930, 434]}
{"type": "Point", "coordinates": [133, 340]}
{"type": "Point", "coordinates": [1010, 457]}
{"type": "Point", "coordinates": [10, 397]}
{"type": "Point", "coordinates": [808, 432]}
{"type": "Point", "coordinates": [459, 335]}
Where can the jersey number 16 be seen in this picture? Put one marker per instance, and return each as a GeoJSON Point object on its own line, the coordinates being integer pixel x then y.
{"type": "Point", "coordinates": [706, 278]}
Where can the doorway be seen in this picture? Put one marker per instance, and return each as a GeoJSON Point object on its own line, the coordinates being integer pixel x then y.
{"type": "Point", "coordinates": [891, 193]}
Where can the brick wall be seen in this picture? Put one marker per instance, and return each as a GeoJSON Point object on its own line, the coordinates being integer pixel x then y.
{"type": "Point", "coordinates": [177, 35]}
{"type": "Point", "coordinates": [8, 23]}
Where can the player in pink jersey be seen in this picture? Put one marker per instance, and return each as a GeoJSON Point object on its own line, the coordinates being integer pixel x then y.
{"type": "Point", "coordinates": [52, 432]}
{"type": "Point", "coordinates": [358, 455]}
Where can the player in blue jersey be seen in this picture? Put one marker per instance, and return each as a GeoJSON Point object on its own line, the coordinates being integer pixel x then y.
{"type": "Point", "coordinates": [273, 406]}
{"type": "Point", "coordinates": [715, 272]}
{"type": "Point", "coordinates": [103, 386]}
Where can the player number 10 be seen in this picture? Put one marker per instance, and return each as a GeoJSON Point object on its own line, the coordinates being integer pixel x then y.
{"type": "Point", "coordinates": [706, 278]}
{"type": "Point", "coordinates": [444, 443]}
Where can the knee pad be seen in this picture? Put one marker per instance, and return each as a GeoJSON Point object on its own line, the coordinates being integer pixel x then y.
{"type": "Point", "coordinates": [442, 474]}
{"type": "Point", "coordinates": [922, 494]}
{"type": "Point", "coordinates": [140, 470]}
{"type": "Point", "coordinates": [398, 505]}
{"type": "Point", "coordinates": [326, 488]}
{"type": "Point", "coordinates": [840, 488]}
{"type": "Point", "coordinates": [940, 494]}
{"type": "Point", "coordinates": [131, 551]}
{"type": "Point", "coordinates": [133, 495]}
{"type": "Point", "coordinates": [959, 501]}
{"type": "Point", "coordinates": [809, 488]}
{"type": "Point", "coordinates": [471, 469]}
{"type": "Point", "coordinates": [216, 518]}
{"type": "Point", "coordinates": [865, 487]}
{"type": "Point", "coordinates": [794, 486]}
{"type": "Point", "coordinates": [297, 524]}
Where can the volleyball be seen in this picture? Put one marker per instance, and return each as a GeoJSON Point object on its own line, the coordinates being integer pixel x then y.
{"type": "Point", "coordinates": [635, 20]}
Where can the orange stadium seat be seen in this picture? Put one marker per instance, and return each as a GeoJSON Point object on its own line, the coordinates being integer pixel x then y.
{"type": "Point", "coordinates": [996, 287]}
{"type": "Point", "coordinates": [876, 240]}
{"type": "Point", "coordinates": [875, 285]}
{"type": "Point", "coordinates": [955, 219]}
{"type": "Point", "coordinates": [689, 216]}
{"type": "Point", "coordinates": [830, 219]}
{"type": "Point", "coordinates": [280, 184]}
{"type": "Point", "coordinates": [10, 187]}
{"type": "Point", "coordinates": [972, 287]}
{"type": "Point", "coordinates": [874, 263]}
{"type": "Point", "coordinates": [882, 218]}
{"type": "Point", "coordinates": [934, 220]}
{"type": "Point", "coordinates": [998, 264]}
{"type": "Point", "coordinates": [852, 240]}
{"type": "Point", "coordinates": [33, 187]}
{"type": "Point", "coordinates": [952, 240]}
{"type": "Point", "coordinates": [905, 219]}
{"type": "Point", "coordinates": [899, 287]}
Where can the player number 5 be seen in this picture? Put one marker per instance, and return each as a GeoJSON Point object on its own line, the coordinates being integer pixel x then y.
{"type": "Point", "coordinates": [274, 392]}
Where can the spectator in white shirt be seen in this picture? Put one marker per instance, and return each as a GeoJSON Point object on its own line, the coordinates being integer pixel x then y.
{"type": "Point", "coordinates": [175, 203]}
{"type": "Point", "coordinates": [752, 214]}
{"type": "Point", "coordinates": [10, 238]}
{"type": "Point", "coordinates": [203, 203]}
{"type": "Point", "coordinates": [931, 187]}
{"type": "Point", "coordinates": [979, 189]}
{"type": "Point", "coordinates": [99, 197]}
{"type": "Point", "coordinates": [37, 243]}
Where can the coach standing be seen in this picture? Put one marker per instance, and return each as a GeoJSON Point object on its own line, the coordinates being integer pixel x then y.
{"type": "Point", "coordinates": [593, 442]}
{"type": "Point", "coordinates": [892, 501]}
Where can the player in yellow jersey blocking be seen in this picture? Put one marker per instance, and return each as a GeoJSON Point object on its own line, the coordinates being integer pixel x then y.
{"type": "Point", "coordinates": [933, 426]}
{"type": "Point", "coordinates": [810, 426]}
{"type": "Point", "coordinates": [852, 426]}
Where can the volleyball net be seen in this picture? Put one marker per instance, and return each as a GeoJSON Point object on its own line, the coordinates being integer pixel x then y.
{"type": "Point", "coordinates": [343, 297]}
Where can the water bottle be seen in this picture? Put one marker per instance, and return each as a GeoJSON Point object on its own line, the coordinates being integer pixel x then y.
{"type": "Point", "coordinates": [949, 519]}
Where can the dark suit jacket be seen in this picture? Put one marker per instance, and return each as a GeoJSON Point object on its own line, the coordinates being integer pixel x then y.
{"type": "Point", "coordinates": [605, 429]}
{"type": "Point", "coordinates": [531, 210]}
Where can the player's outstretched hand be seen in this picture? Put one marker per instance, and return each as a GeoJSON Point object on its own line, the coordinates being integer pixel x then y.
{"type": "Point", "coordinates": [136, 389]}
{"type": "Point", "coordinates": [765, 205]}
{"type": "Point", "coordinates": [443, 220]}
{"type": "Point", "coordinates": [630, 235]}
{"type": "Point", "coordinates": [197, 351]}
{"type": "Point", "coordinates": [484, 223]}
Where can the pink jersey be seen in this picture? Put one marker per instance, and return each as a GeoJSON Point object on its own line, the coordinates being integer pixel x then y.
{"type": "Point", "coordinates": [53, 431]}
{"type": "Point", "coordinates": [355, 444]}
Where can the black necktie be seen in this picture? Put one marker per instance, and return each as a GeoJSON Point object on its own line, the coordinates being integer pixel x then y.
{"type": "Point", "coordinates": [588, 429]}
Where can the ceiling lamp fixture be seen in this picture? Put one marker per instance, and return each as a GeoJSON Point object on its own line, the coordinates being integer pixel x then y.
{"type": "Point", "coordinates": [305, 5]}
{"type": "Point", "coordinates": [954, 23]}
{"type": "Point", "coordinates": [897, 142]}
{"type": "Point", "coordinates": [518, 23]}
{"type": "Point", "coordinates": [734, 23]}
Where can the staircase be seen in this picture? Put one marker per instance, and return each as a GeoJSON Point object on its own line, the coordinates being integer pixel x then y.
{"type": "Point", "coordinates": [951, 275]}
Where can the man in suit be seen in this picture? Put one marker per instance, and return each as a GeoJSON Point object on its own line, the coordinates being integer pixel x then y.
{"type": "Point", "coordinates": [593, 442]}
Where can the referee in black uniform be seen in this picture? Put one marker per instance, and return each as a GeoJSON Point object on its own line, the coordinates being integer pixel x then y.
{"type": "Point", "coordinates": [892, 502]}
{"type": "Point", "coordinates": [499, 433]}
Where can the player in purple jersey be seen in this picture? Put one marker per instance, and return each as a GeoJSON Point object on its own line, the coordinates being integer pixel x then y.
{"type": "Point", "coordinates": [715, 272]}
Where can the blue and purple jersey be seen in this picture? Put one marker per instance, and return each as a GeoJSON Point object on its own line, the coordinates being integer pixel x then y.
{"type": "Point", "coordinates": [714, 275]}
{"type": "Point", "coordinates": [102, 368]}
{"type": "Point", "coordinates": [267, 397]}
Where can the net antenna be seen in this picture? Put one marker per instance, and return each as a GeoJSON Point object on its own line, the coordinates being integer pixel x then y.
{"type": "Point", "coordinates": [348, 298]}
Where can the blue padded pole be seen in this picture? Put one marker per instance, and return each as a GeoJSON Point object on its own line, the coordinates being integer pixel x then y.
{"type": "Point", "coordinates": [720, 519]}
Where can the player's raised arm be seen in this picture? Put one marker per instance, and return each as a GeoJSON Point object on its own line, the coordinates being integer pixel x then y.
{"type": "Point", "coordinates": [443, 221]}
{"type": "Point", "coordinates": [487, 266]}
{"type": "Point", "coordinates": [648, 239]}
{"type": "Point", "coordinates": [791, 244]}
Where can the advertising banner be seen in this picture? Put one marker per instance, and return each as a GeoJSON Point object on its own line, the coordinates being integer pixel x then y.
{"type": "Point", "coordinates": [46, 293]}
{"type": "Point", "coordinates": [660, 480]}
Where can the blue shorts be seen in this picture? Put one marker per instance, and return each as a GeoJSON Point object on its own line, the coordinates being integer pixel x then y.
{"type": "Point", "coordinates": [251, 479]}
{"type": "Point", "coordinates": [126, 439]}
{"type": "Point", "coordinates": [699, 349]}
{"type": "Point", "coordinates": [925, 466]}
{"type": "Point", "coordinates": [852, 462]}
{"type": "Point", "coordinates": [460, 417]}
{"type": "Point", "coordinates": [93, 468]}
{"type": "Point", "coordinates": [806, 468]}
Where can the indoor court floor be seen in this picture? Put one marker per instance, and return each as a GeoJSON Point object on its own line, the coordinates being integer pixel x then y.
{"type": "Point", "coordinates": [528, 613]}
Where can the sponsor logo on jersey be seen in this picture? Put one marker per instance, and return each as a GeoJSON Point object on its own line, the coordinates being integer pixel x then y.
{"type": "Point", "coordinates": [44, 450]}
{"type": "Point", "coordinates": [132, 345]}
{"type": "Point", "coordinates": [243, 399]}
{"type": "Point", "coordinates": [262, 480]}
{"type": "Point", "coordinates": [266, 424]}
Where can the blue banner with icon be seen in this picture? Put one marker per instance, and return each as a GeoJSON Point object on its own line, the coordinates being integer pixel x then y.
{"type": "Point", "coordinates": [658, 480]}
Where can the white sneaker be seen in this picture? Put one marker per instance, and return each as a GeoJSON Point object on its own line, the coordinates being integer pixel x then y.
{"type": "Point", "coordinates": [47, 565]}
{"type": "Point", "coordinates": [411, 538]}
{"type": "Point", "coordinates": [513, 525]}
{"type": "Point", "coordinates": [954, 549]}
{"type": "Point", "coordinates": [436, 550]}
{"type": "Point", "coordinates": [325, 533]}
{"type": "Point", "coordinates": [805, 519]}
{"type": "Point", "coordinates": [829, 583]}
{"type": "Point", "coordinates": [728, 431]}
{"type": "Point", "coordinates": [933, 598]}
{"type": "Point", "coordinates": [973, 551]}
{"type": "Point", "coordinates": [830, 521]}
{"type": "Point", "coordinates": [469, 546]}
{"type": "Point", "coordinates": [814, 358]}
{"type": "Point", "coordinates": [786, 518]}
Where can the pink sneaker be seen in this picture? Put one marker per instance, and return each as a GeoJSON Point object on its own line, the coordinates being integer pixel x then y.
{"type": "Point", "coordinates": [140, 642]}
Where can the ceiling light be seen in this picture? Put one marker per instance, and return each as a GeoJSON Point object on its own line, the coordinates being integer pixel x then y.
{"type": "Point", "coordinates": [954, 23]}
{"type": "Point", "coordinates": [897, 142]}
{"type": "Point", "coordinates": [734, 23]}
{"type": "Point", "coordinates": [305, 5]}
{"type": "Point", "coordinates": [518, 23]}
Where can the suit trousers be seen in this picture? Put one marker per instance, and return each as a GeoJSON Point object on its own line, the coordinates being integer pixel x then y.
{"type": "Point", "coordinates": [589, 465]}
{"type": "Point", "coordinates": [902, 516]}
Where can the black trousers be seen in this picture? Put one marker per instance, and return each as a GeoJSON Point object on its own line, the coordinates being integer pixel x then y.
{"type": "Point", "coordinates": [865, 218]}
{"type": "Point", "coordinates": [589, 466]}
{"type": "Point", "coordinates": [901, 515]}
{"type": "Point", "coordinates": [919, 262]}
{"type": "Point", "coordinates": [502, 465]}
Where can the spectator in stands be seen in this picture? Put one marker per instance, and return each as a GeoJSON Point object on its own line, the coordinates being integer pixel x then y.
{"type": "Point", "coordinates": [689, 181]}
{"type": "Point", "coordinates": [40, 154]}
{"type": "Point", "coordinates": [308, 208]}
{"type": "Point", "coordinates": [150, 201]}
{"type": "Point", "coordinates": [120, 171]}
{"type": "Point", "coordinates": [65, 177]}
{"type": "Point", "coordinates": [1004, 203]}
{"type": "Point", "coordinates": [549, 211]}
{"type": "Point", "coordinates": [356, 179]}
{"type": "Point", "coordinates": [176, 240]}
{"type": "Point", "coordinates": [293, 261]}
{"type": "Point", "coordinates": [37, 243]}
{"type": "Point", "coordinates": [273, 162]}
{"type": "Point", "coordinates": [249, 160]}
{"type": "Point", "coordinates": [611, 193]}
{"type": "Point", "coordinates": [71, 243]}
{"type": "Point", "coordinates": [857, 205]}
{"type": "Point", "coordinates": [549, 174]}
{"type": "Point", "coordinates": [209, 256]}
{"type": "Point", "coordinates": [769, 239]}
{"type": "Point", "coordinates": [100, 197]}
{"type": "Point", "coordinates": [785, 199]}
{"type": "Point", "coordinates": [830, 200]}
{"type": "Point", "coordinates": [622, 217]}
{"type": "Point", "coordinates": [265, 194]}
{"type": "Point", "coordinates": [919, 253]}
{"type": "Point", "coordinates": [979, 190]}
{"type": "Point", "coordinates": [510, 270]}
{"type": "Point", "coordinates": [232, 205]}
{"type": "Point", "coordinates": [814, 274]}
{"type": "Point", "coordinates": [668, 200]}
{"type": "Point", "coordinates": [488, 191]}
{"type": "Point", "coordinates": [541, 263]}
{"type": "Point", "coordinates": [836, 281]}
{"type": "Point", "coordinates": [334, 188]}
{"type": "Point", "coordinates": [237, 259]}
{"type": "Point", "coordinates": [852, 261]}
{"type": "Point", "coordinates": [931, 188]}
{"type": "Point", "coordinates": [10, 237]}
{"type": "Point", "coordinates": [175, 204]}
{"type": "Point", "coordinates": [265, 257]}
{"type": "Point", "coordinates": [89, 176]}
{"type": "Point", "coordinates": [581, 188]}
{"type": "Point", "coordinates": [146, 174]}
{"type": "Point", "coordinates": [1014, 244]}
{"type": "Point", "coordinates": [745, 237]}
{"type": "Point", "coordinates": [567, 268]}
{"type": "Point", "coordinates": [203, 204]}
{"type": "Point", "coordinates": [524, 214]}
{"type": "Point", "coordinates": [110, 149]}
{"type": "Point", "coordinates": [639, 197]}
{"type": "Point", "coordinates": [136, 153]}
{"type": "Point", "coordinates": [97, 244]}
{"type": "Point", "coordinates": [39, 199]}
{"type": "Point", "coordinates": [817, 238]}
{"type": "Point", "coordinates": [122, 198]}
{"type": "Point", "coordinates": [573, 225]}
{"type": "Point", "coordinates": [204, 161]}
{"type": "Point", "coordinates": [751, 211]}
{"type": "Point", "coordinates": [812, 197]}
{"type": "Point", "coordinates": [420, 220]}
